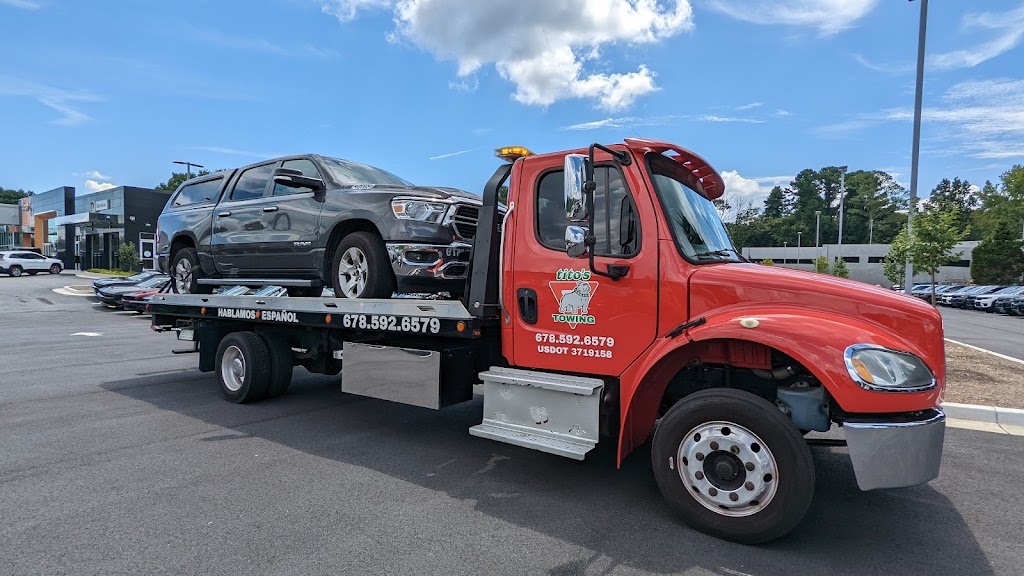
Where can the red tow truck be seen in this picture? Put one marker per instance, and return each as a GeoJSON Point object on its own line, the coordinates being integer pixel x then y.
{"type": "Point", "coordinates": [607, 303]}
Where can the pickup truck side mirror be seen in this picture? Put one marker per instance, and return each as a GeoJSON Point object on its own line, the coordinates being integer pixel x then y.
{"type": "Point", "coordinates": [295, 179]}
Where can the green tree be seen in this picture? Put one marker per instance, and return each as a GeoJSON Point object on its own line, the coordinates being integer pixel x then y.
{"type": "Point", "coordinates": [839, 269]}
{"type": "Point", "coordinates": [873, 205]}
{"type": "Point", "coordinates": [821, 265]}
{"type": "Point", "coordinates": [177, 178]}
{"type": "Point", "coordinates": [775, 205]}
{"type": "Point", "coordinates": [930, 245]}
{"type": "Point", "coordinates": [11, 196]}
{"type": "Point", "coordinates": [957, 196]}
{"type": "Point", "coordinates": [1003, 205]}
{"type": "Point", "coordinates": [768, 262]}
{"type": "Point", "coordinates": [129, 256]}
{"type": "Point", "coordinates": [999, 258]}
{"type": "Point", "coordinates": [895, 265]}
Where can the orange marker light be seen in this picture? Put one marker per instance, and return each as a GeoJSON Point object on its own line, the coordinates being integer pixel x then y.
{"type": "Point", "coordinates": [327, 319]}
{"type": "Point", "coordinates": [461, 326]}
{"type": "Point", "coordinates": [203, 311]}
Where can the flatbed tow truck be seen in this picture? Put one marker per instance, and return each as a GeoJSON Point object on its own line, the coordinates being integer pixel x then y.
{"type": "Point", "coordinates": [606, 303]}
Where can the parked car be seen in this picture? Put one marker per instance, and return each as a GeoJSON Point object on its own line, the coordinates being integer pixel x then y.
{"type": "Point", "coordinates": [99, 283]}
{"type": "Point", "coordinates": [1016, 306]}
{"type": "Point", "coordinates": [111, 295]}
{"type": "Point", "coordinates": [18, 262]}
{"type": "Point", "coordinates": [311, 221]}
{"type": "Point", "coordinates": [986, 301]}
{"type": "Point", "coordinates": [959, 299]}
{"type": "Point", "coordinates": [1002, 304]}
{"type": "Point", "coordinates": [136, 301]}
{"type": "Point", "coordinates": [925, 292]}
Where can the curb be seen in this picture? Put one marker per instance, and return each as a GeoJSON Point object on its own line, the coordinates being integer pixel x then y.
{"type": "Point", "coordinates": [991, 415]}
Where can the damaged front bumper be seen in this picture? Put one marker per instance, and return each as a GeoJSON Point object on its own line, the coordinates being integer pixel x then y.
{"type": "Point", "coordinates": [430, 267]}
{"type": "Point", "coordinates": [894, 451]}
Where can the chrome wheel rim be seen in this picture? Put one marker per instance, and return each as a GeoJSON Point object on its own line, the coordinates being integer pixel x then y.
{"type": "Point", "coordinates": [182, 276]}
{"type": "Point", "coordinates": [232, 368]}
{"type": "Point", "coordinates": [728, 469]}
{"type": "Point", "coordinates": [353, 271]}
{"type": "Point", "coordinates": [15, 272]}
{"type": "Point", "coordinates": [54, 269]}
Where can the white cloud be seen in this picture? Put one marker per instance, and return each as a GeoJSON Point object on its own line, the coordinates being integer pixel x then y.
{"type": "Point", "coordinates": [94, 174]}
{"type": "Point", "coordinates": [716, 118]}
{"type": "Point", "coordinates": [98, 186]}
{"type": "Point", "coordinates": [742, 192]}
{"type": "Point", "coordinates": [750, 106]}
{"type": "Point", "coordinates": [884, 68]}
{"type": "Point", "coordinates": [261, 45]}
{"type": "Point", "coordinates": [540, 46]}
{"type": "Point", "coordinates": [452, 154]}
{"type": "Point", "coordinates": [465, 85]}
{"type": "Point", "coordinates": [827, 16]}
{"type": "Point", "coordinates": [234, 152]}
{"type": "Point", "coordinates": [1009, 31]}
{"type": "Point", "coordinates": [632, 122]}
{"type": "Point", "coordinates": [780, 113]}
{"type": "Point", "coordinates": [23, 4]}
{"type": "Point", "coordinates": [63, 101]}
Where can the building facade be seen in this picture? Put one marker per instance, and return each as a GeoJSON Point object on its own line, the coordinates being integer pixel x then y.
{"type": "Point", "coordinates": [865, 262]}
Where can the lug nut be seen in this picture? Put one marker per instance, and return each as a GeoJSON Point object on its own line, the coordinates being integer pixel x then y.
{"type": "Point", "coordinates": [735, 449]}
{"type": "Point", "coordinates": [733, 497]}
{"type": "Point", "coordinates": [699, 475]}
{"type": "Point", "coordinates": [712, 492]}
{"type": "Point", "coordinates": [749, 485]}
{"type": "Point", "coordinates": [700, 457]}
{"type": "Point", "coordinates": [714, 445]}
{"type": "Point", "coordinates": [750, 466]}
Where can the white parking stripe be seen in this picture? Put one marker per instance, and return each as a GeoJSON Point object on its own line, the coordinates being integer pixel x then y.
{"type": "Point", "coordinates": [997, 354]}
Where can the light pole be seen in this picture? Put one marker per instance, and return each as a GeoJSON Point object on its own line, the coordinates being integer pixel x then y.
{"type": "Point", "coordinates": [842, 203]}
{"type": "Point", "coordinates": [785, 252]}
{"type": "Point", "coordinates": [798, 234]}
{"type": "Point", "coordinates": [908, 273]}
{"type": "Point", "coordinates": [817, 228]}
{"type": "Point", "coordinates": [188, 167]}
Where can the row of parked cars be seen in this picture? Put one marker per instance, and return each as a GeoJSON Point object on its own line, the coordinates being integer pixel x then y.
{"type": "Point", "coordinates": [992, 298]}
{"type": "Point", "coordinates": [133, 293]}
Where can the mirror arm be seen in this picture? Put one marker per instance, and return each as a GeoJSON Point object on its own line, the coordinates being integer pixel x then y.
{"type": "Point", "coordinates": [615, 271]}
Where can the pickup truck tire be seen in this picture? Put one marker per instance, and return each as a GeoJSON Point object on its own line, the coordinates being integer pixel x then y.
{"type": "Point", "coordinates": [243, 367]}
{"type": "Point", "coordinates": [732, 465]}
{"type": "Point", "coordinates": [361, 268]}
{"type": "Point", "coordinates": [281, 365]}
{"type": "Point", "coordinates": [186, 272]}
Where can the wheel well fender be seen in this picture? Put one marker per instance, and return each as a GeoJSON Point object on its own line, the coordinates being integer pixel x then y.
{"type": "Point", "coordinates": [337, 233]}
{"type": "Point", "coordinates": [813, 339]}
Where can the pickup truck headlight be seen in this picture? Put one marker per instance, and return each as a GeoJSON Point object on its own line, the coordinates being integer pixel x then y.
{"type": "Point", "coordinates": [421, 210]}
{"type": "Point", "coordinates": [881, 369]}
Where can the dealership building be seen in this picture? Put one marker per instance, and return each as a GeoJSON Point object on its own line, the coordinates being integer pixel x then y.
{"type": "Point", "coordinates": [86, 231]}
{"type": "Point", "coordinates": [864, 261]}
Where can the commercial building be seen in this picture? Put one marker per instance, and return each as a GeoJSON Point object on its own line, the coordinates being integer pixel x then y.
{"type": "Point", "coordinates": [87, 231]}
{"type": "Point", "coordinates": [864, 261]}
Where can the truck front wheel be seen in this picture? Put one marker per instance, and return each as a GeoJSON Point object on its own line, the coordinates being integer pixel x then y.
{"type": "Point", "coordinates": [186, 272]}
{"type": "Point", "coordinates": [361, 268]}
{"type": "Point", "coordinates": [243, 367]}
{"type": "Point", "coordinates": [733, 466]}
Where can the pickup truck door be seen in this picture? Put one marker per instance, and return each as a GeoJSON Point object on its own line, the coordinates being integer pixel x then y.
{"type": "Point", "coordinates": [290, 223]}
{"type": "Point", "coordinates": [238, 221]}
{"type": "Point", "coordinates": [563, 316]}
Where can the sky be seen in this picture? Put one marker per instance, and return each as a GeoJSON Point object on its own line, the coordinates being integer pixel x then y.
{"type": "Point", "coordinates": [99, 94]}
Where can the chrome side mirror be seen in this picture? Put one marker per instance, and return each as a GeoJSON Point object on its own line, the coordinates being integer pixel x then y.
{"type": "Point", "coordinates": [575, 241]}
{"type": "Point", "coordinates": [575, 176]}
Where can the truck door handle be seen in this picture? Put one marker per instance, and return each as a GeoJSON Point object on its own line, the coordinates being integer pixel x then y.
{"type": "Point", "coordinates": [270, 209]}
{"type": "Point", "coordinates": [527, 298]}
{"type": "Point", "coordinates": [223, 214]}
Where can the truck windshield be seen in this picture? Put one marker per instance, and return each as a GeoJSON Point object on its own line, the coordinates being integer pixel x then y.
{"type": "Point", "coordinates": [696, 227]}
{"type": "Point", "coordinates": [348, 173]}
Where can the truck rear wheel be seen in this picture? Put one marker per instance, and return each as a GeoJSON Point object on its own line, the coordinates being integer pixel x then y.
{"type": "Point", "coordinates": [186, 272]}
{"type": "Point", "coordinates": [281, 365]}
{"type": "Point", "coordinates": [243, 367]}
{"type": "Point", "coordinates": [361, 268]}
{"type": "Point", "coordinates": [733, 466]}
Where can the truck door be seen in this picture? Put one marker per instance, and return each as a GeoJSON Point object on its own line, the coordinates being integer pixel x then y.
{"type": "Point", "coordinates": [238, 221]}
{"type": "Point", "coordinates": [290, 223]}
{"type": "Point", "coordinates": [564, 316]}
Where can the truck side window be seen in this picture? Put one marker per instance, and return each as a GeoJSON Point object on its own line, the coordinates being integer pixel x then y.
{"type": "Point", "coordinates": [252, 183]}
{"type": "Point", "coordinates": [198, 193]}
{"type": "Point", "coordinates": [610, 199]}
{"type": "Point", "coordinates": [306, 167]}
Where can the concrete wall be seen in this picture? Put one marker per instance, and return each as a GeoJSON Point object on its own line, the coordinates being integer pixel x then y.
{"type": "Point", "coordinates": [10, 214]}
{"type": "Point", "coordinates": [864, 261]}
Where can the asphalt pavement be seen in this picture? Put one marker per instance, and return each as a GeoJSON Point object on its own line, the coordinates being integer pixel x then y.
{"type": "Point", "coordinates": [995, 332]}
{"type": "Point", "coordinates": [120, 457]}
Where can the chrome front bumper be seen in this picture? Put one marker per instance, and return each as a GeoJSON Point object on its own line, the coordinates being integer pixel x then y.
{"type": "Point", "coordinates": [896, 451]}
{"type": "Point", "coordinates": [430, 261]}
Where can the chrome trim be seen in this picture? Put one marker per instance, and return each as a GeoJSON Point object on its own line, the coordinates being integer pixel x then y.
{"type": "Point", "coordinates": [452, 262]}
{"type": "Point", "coordinates": [894, 451]}
{"type": "Point", "coordinates": [848, 357]}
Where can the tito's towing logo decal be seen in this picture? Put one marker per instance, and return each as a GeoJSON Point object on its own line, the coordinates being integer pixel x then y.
{"type": "Point", "coordinates": [573, 291]}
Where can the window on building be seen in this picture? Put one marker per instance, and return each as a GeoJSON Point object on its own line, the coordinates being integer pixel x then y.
{"type": "Point", "coordinates": [876, 259]}
{"type": "Point", "coordinates": [198, 193]}
{"type": "Point", "coordinates": [611, 199]}
{"type": "Point", "coordinates": [252, 183]}
{"type": "Point", "coordinates": [302, 165]}
{"type": "Point", "coordinates": [851, 259]}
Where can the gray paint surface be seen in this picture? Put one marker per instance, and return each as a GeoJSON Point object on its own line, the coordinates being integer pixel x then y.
{"type": "Point", "coordinates": [119, 457]}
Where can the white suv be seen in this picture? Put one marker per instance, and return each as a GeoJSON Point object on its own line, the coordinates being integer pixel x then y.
{"type": "Point", "coordinates": [17, 263]}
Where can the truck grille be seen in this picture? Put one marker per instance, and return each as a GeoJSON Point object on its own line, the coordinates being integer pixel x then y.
{"type": "Point", "coordinates": [464, 221]}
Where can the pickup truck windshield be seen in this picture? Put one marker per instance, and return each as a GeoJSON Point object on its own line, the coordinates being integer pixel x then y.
{"type": "Point", "coordinates": [696, 227]}
{"type": "Point", "coordinates": [347, 173]}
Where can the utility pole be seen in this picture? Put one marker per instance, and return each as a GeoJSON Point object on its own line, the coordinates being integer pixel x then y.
{"type": "Point", "coordinates": [842, 202]}
{"type": "Point", "coordinates": [817, 228]}
{"type": "Point", "coordinates": [188, 167]}
{"type": "Point", "coordinates": [798, 234]}
{"type": "Point", "coordinates": [785, 252]}
{"type": "Point", "coordinates": [908, 274]}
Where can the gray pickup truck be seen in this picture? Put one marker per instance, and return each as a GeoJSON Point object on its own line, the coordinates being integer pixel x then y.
{"type": "Point", "coordinates": [308, 222]}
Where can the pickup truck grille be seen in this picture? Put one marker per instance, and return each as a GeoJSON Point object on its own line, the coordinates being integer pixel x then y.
{"type": "Point", "coordinates": [464, 221]}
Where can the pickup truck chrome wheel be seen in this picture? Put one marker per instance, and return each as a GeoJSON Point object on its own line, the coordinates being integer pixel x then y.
{"type": "Point", "coordinates": [183, 276]}
{"type": "Point", "coordinates": [232, 368]}
{"type": "Point", "coordinates": [353, 272]}
{"type": "Point", "coordinates": [730, 470]}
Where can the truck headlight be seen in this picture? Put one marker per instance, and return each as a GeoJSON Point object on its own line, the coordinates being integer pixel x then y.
{"type": "Point", "coordinates": [421, 210]}
{"type": "Point", "coordinates": [881, 369]}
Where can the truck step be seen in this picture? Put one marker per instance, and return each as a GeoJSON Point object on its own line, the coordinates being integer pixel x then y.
{"type": "Point", "coordinates": [552, 413]}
